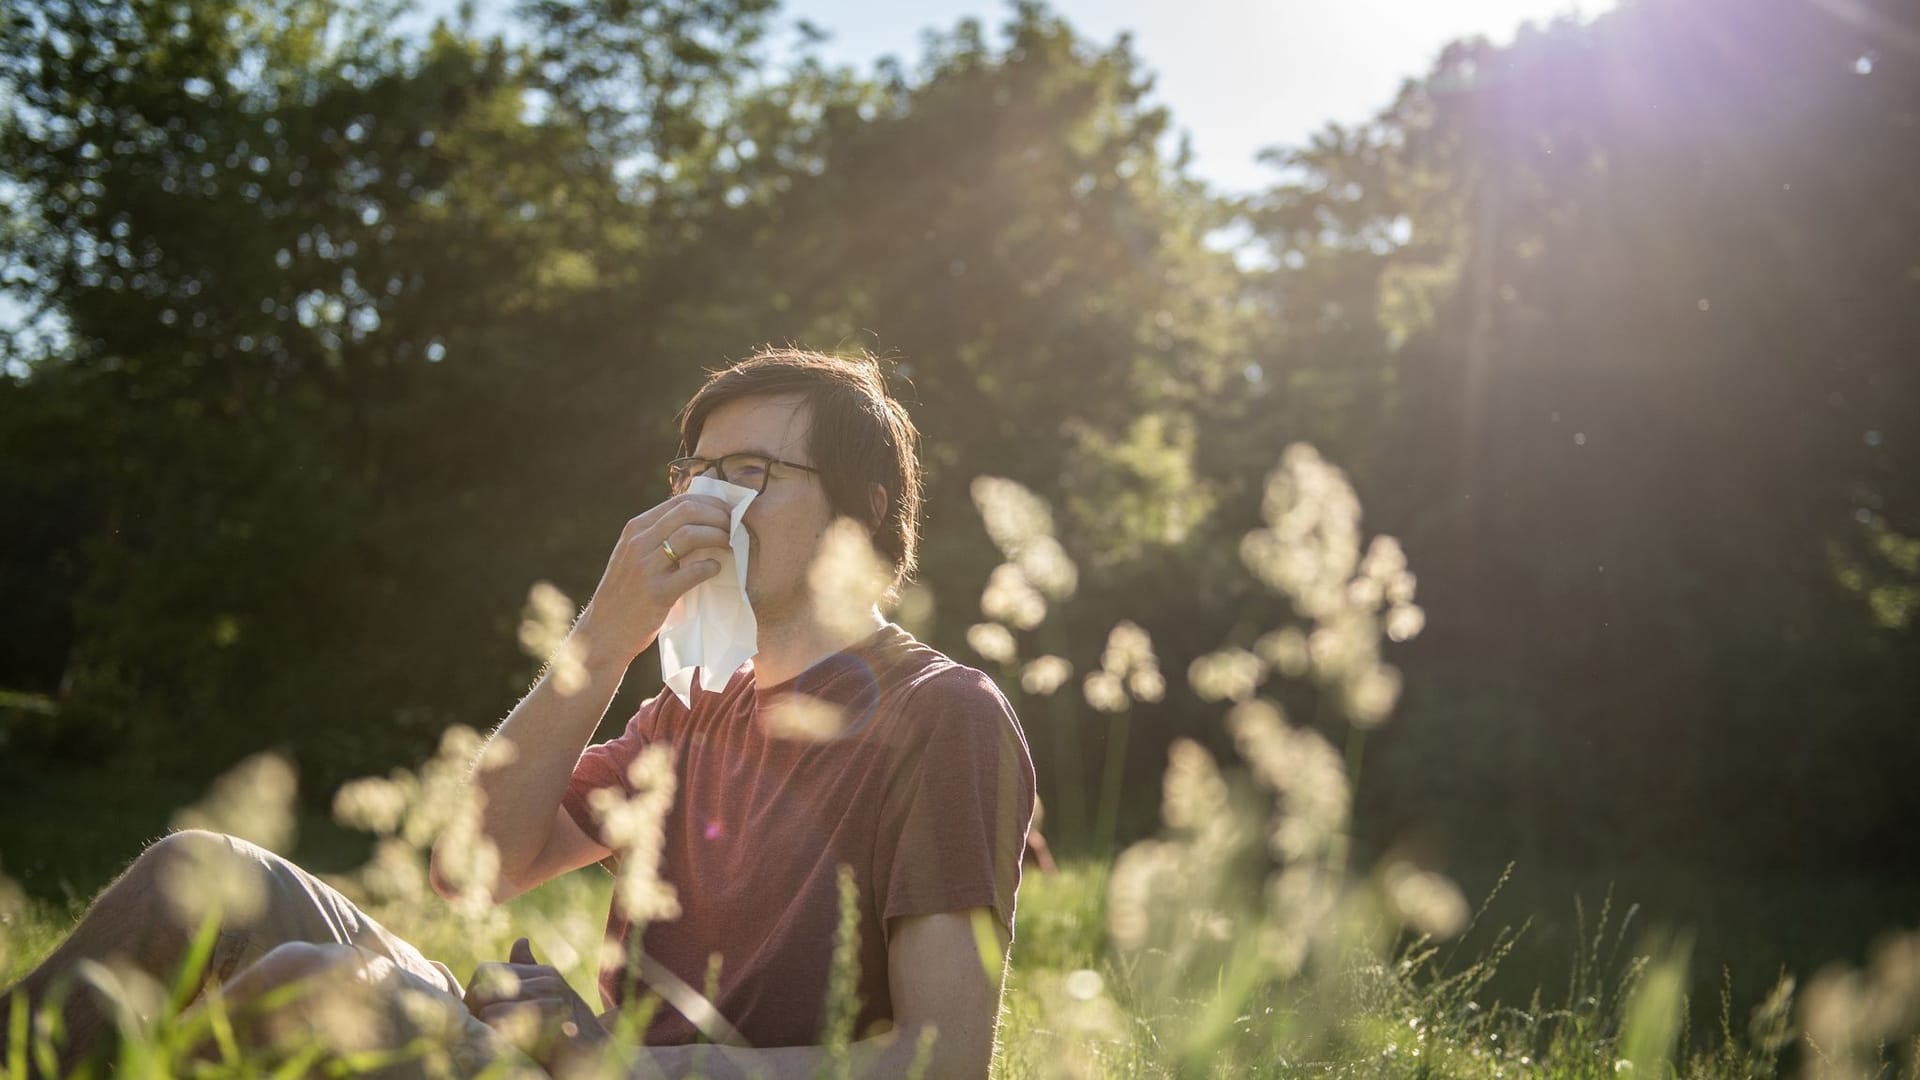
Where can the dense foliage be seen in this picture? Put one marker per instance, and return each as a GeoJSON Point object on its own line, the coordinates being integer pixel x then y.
{"type": "Point", "coordinates": [329, 342]}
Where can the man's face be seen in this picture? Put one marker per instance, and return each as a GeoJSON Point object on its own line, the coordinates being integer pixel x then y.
{"type": "Point", "coordinates": [787, 521]}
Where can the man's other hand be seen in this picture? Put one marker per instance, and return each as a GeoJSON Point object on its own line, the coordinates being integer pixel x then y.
{"type": "Point", "coordinates": [643, 580]}
{"type": "Point", "coordinates": [531, 1004]}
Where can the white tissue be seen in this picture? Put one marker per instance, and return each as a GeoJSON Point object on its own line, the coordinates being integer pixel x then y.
{"type": "Point", "coordinates": [711, 627]}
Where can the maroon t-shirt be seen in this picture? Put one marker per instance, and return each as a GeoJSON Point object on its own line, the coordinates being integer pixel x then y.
{"type": "Point", "coordinates": [921, 784]}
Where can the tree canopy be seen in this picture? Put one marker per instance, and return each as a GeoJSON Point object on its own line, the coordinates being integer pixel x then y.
{"type": "Point", "coordinates": [328, 341]}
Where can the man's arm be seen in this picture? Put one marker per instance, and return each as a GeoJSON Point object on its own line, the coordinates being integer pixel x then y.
{"type": "Point", "coordinates": [520, 788]}
{"type": "Point", "coordinates": [523, 771]}
{"type": "Point", "coordinates": [938, 972]}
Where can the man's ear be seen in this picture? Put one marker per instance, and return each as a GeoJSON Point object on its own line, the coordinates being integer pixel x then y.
{"type": "Point", "coordinates": [877, 499]}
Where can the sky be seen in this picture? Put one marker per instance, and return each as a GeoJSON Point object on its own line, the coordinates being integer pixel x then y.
{"type": "Point", "coordinates": [1238, 76]}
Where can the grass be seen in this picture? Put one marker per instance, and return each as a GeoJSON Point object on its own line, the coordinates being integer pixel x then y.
{"type": "Point", "coordinates": [1072, 1005]}
{"type": "Point", "coordinates": [1077, 1004]}
{"type": "Point", "coordinates": [1241, 940]}
{"type": "Point", "coordinates": [1487, 1004]}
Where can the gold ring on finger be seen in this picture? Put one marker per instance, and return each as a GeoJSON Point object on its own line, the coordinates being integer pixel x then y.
{"type": "Point", "coordinates": [667, 546]}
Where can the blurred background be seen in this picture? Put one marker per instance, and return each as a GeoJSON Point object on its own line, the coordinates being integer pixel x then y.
{"type": "Point", "coordinates": [332, 327]}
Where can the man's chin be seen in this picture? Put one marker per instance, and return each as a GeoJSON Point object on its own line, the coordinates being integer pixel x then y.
{"type": "Point", "coordinates": [772, 609]}
{"type": "Point", "coordinates": [764, 607]}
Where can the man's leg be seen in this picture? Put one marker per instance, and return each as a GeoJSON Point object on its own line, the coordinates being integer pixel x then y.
{"type": "Point", "coordinates": [146, 920]}
{"type": "Point", "coordinates": [347, 1002]}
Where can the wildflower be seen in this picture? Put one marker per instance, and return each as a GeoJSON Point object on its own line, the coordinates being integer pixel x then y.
{"type": "Point", "coordinates": [1012, 514]}
{"type": "Point", "coordinates": [634, 827]}
{"type": "Point", "coordinates": [1129, 671]}
{"type": "Point", "coordinates": [1226, 675]}
{"type": "Point", "coordinates": [372, 804]}
{"type": "Point", "coordinates": [1286, 650]}
{"type": "Point", "coordinates": [848, 578]}
{"type": "Point", "coordinates": [1047, 565]}
{"type": "Point", "coordinates": [1345, 642]}
{"type": "Point", "coordinates": [1194, 794]}
{"type": "Point", "coordinates": [1011, 599]}
{"type": "Point", "coordinates": [1405, 621]}
{"type": "Point", "coordinates": [469, 861]}
{"type": "Point", "coordinates": [1369, 696]}
{"type": "Point", "coordinates": [395, 872]}
{"type": "Point", "coordinates": [1136, 878]}
{"type": "Point", "coordinates": [992, 641]}
{"type": "Point", "coordinates": [1021, 526]}
{"type": "Point", "coordinates": [1310, 546]}
{"type": "Point", "coordinates": [1128, 648]}
{"type": "Point", "coordinates": [1302, 768]}
{"type": "Point", "coordinates": [914, 609]}
{"type": "Point", "coordinates": [1385, 561]}
{"type": "Point", "coordinates": [803, 717]}
{"type": "Point", "coordinates": [1045, 674]}
{"type": "Point", "coordinates": [546, 625]}
{"type": "Point", "coordinates": [1425, 900]}
{"type": "Point", "coordinates": [252, 801]}
{"type": "Point", "coordinates": [1299, 900]}
{"type": "Point", "coordinates": [1400, 588]}
{"type": "Point", "coordinates": [1105, 691]}
{"type": "Point", "coordinates": [439, 789]}
{"type": "Point", "coordinates": [1146, 684]}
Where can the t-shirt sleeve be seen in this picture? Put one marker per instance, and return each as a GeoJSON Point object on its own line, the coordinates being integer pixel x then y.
{"type": "Point", "coordinates": [605, 765]}
{"type": "Point", "coordinates": [955, 820]}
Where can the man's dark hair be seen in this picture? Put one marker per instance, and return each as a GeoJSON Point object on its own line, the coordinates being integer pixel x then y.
{"type": "Point", "coordinates": [861, 436]}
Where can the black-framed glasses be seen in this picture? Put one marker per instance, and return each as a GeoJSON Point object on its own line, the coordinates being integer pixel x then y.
{"type": "Point", "coordinates": [748, 470]}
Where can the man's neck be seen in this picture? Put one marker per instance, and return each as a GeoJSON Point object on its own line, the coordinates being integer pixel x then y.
{"type": "Point", "coordinates": [789, 647]}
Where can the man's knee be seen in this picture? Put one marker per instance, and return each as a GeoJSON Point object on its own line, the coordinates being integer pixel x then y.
{"type": "Point", "coordinates": [259, 899]}
{"type": "Point", "coordinates": [185, 844]}
{"type": "Point", "coordinates": [167, 870]}
{"type": "Point", "coordinates": [193, 867]}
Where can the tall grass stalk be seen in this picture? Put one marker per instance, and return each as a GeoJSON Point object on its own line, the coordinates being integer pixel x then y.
{"type": "Point", "coordinates": [1238, 942]}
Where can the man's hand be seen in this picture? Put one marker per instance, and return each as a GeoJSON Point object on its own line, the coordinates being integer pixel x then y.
{"type": "Point", "coordinates": [642, 581]}
{"type": "Point", "coordinates": [532, 1005]}
{"type": "Point", "coordinates": [519, 793]}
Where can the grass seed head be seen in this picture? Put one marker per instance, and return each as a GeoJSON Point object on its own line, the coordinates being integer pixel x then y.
{"type": "Point", "coordinates": [634, 827]}
{"type": "Point", "coordinates": [546, 625]}
{"type": "Point", "coordinates": [1011, 599]}
{"type": "Point", "coordinates": [848, 579]}
{"type": "Point", "coordinates": [1105, 691]}
{"type": "Point", "coordinates": [1014, 516]}
{"type": "Point", "coordinates": [993, 642]}
{"type": "Point", "coordinates": [805, 718]}
{"type": "Point", "coordinates": [1045, 674]}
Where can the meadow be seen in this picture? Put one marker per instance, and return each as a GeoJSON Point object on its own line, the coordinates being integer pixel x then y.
{"type": "Point", "coordinates": [1244, 939]}
{"type": "Point", "coordinates": [1074, 1005]}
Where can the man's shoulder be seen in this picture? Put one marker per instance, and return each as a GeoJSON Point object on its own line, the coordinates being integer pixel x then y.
{"type": "Point", "coordinates": [947, 681]}
{"type": "Point", "coordinates": [941, 701]}
{"type": "Point", "coordinates": [918, 670]}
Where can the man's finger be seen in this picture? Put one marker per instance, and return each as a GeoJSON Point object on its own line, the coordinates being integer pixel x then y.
{"type": "Point", "coordinates": [521, 953]}
{"type": "Point", "coordinates": [688, 539]}
{"type": "Point", "coordinates": [691, 573]}
{"type": "Point", "coordinates": [693, 510]}
{"type": "Point", "coordinates": [701, 507]}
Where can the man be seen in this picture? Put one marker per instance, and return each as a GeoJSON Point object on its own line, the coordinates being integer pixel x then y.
{"type": "Point", "coordinates": [919, 793]}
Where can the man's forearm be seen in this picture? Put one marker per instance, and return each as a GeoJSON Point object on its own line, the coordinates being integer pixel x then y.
{"type": "Point", "coordinates": [523, 771]}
